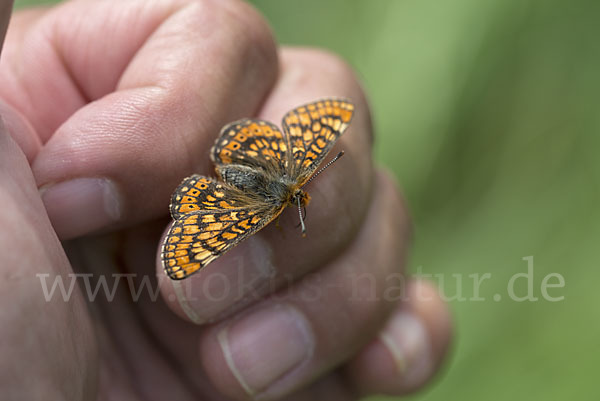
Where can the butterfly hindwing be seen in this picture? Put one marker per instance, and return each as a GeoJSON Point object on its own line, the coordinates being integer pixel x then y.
{"type": "Point", "coordinates": [199, 237]}
{"type": "Point", "coordinates": [313, 129]}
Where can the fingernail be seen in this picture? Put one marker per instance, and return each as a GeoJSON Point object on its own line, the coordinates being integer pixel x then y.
{"type": "Point", "coordinates": [81, 205]}
{"type": "Point", "coordinates": [228, 283]}
{"type": "Point", "coordinates": [265, 347]}
{"type": "Point", "coordinates": [407, 340]}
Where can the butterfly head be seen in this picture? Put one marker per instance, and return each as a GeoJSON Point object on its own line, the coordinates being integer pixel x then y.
{"type": "Point", "coordinates": [300, 198]}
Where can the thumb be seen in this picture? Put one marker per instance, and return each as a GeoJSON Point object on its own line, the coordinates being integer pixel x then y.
{"type": "Point", "coordinates": [29, 253]}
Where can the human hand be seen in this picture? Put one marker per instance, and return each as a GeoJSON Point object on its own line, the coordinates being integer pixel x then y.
{"type": "Point", "coordinates": [113, 104]}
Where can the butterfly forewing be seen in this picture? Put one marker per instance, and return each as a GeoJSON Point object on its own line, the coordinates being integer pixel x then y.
{"type": "Point", "coordinates": [254, 143]}
{"type": "Point", "coordinates": [313, 129]}
{"type": "Point", "coordinates": [198, 192]}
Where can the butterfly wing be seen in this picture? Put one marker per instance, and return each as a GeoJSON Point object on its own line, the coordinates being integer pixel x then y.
{"type": "Point", "coordinates": [198, 192]}
{"type": "Point", "coordinates": [252, 143]}
{"type": "Point", "coordinates": [313, 129]}
{"type": "Point", "coordinates": [199, 237]}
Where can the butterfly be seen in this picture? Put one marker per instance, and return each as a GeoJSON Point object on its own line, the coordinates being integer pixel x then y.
{"type": "Point", "coordinates": [261, 170]}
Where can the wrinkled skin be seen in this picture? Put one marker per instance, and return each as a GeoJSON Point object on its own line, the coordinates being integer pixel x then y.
{"type": "Point", "coordinates": [106, 106]}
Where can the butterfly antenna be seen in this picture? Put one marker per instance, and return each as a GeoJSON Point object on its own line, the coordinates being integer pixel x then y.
{"type": "Point", "coordinates": [301, 218]}
{"type": "Point", "coordinates": [324, 167]}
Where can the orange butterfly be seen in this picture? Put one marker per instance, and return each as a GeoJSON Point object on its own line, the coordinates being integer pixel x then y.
{"type": "Point", "coordinates": [261, 171]}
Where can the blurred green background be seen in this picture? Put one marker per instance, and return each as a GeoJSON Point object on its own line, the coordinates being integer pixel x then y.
{"type": "Point", "coordinates": [487, 112]}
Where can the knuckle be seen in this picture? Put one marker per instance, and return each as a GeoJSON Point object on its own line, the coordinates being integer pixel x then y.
{"type": "Point", "coordinates": [388, 183]}
{"type": "Point", "coordinates": [251, 32]}
{"type": "Point", "coordinates": [315, 70]}
{"type": "Point", "coordinates": [244, 26]}
{"type": "Point", "coordinates": [336, 65]}
{"type": "Point", "coordinates": [398, 204]}
{"type": "Point", "coordinates": [330, 65]}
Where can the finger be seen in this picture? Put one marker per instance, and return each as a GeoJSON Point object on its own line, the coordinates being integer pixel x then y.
{"type": "Point", "coordinates": [409, 350]}
{"type": "Point", "coordinates": [30, 258]}
{"type": "Point", "coordinates": [292, 338]}
{"type": "Point", "coordinates": [340, 197]}
{"type": "Point", "coordinates": [179, 71]}
{"type": "Point", "coordinates": [21, 131]}
{"type": "Point", "coordinates": [405, 356]}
